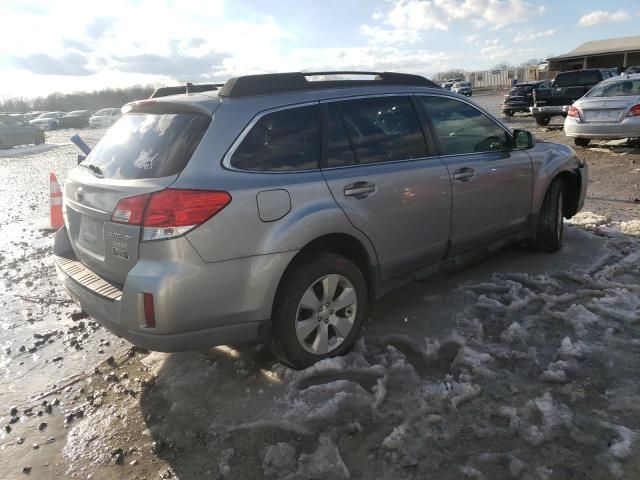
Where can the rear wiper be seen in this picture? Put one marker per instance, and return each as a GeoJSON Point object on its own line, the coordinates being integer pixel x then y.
{"type": "Point", "coordinates": [94, 168]}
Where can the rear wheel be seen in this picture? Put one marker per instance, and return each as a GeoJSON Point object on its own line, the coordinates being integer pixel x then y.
{"type": "Point", "coordinates": [509, 113]}
{"type": "Point", "coordinates": [39, 138]}
{"type": "Point", "coordinates": [581, 142]}
{"type": "Point", "coordinates": [319, 310]}
{"type": "Point", "coordinates": [549, 231]}
{"type": "Point", "coordinates": [543, 121]}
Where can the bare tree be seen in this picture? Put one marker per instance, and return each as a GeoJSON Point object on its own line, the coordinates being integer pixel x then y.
{"type": "Point", "coordinates": [448, 74]}
{"type": "Point", "coordinates": [108, 97]}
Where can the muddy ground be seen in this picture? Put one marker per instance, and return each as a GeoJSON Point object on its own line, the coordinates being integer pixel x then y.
{"type": "Point", "coordinates": [520, 366]}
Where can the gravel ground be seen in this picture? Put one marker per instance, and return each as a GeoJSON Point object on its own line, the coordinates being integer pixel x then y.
{"type": "Point", "coordinates": [521, 366]}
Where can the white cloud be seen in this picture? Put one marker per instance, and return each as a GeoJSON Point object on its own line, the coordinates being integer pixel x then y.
{"type": "Point", "coordinates": [495, 50]}
{"type": "Point", "coordinates": [600, 16]}
{"type": "Point", "coordinates": [531, 34]}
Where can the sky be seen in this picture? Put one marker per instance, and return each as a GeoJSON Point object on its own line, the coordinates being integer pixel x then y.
{"type": "Point", "coordinates": [82, 45]}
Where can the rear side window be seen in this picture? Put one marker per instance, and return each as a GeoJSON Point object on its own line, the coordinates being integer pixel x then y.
{"type": "Point", "coordinates": [145, 145]}
{"type": "Point", "coordinates": [617, 88]}
{"type": "Point", "coordinates": [380, 129]}
{"type": "Point", "coordinates": [463, 129]}
{"type": "Point", "coordinates": [285, 140]}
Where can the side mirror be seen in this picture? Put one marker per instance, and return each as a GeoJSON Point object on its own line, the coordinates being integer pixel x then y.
{"type": "Point", "coordinates": [523, 140]}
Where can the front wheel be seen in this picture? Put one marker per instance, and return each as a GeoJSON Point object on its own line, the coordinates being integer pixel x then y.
{"type": "Point", "coordinates": [550, 227]}
{"type": "Point", "coordinates": [319, 310]}
{"type": "Point", "coordinates": [509, 113]}
{"type": "Point", "coordinates": [581, 142]}
{"type": "Point", "coordinates": [543, 121]}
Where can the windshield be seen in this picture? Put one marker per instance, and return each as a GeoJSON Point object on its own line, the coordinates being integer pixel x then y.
{"type": "Point", "coordinates": [148, 145]}
{"type": "Point", "coordinates": [571, 79]}
{"type": "Point", "coordinates": [76, 113]}
{"type": "Point", "coordinates": [624, 88]}
{"type": "Point", "coordinates": [48, 115]}
{"type": "Point", "coordinates": [104, 111]}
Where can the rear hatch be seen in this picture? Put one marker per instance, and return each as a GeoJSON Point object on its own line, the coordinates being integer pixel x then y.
{"type": "Point", "coordinates": [519, 95]}
{"type": "Point", "coordinates": [143, 152]}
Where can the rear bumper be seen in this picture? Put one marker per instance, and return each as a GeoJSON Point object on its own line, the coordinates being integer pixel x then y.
{"type": "Point", "coordinates": [550, 110]}
{"type": "Point", "coordinates": [516, 106]}
{"type": "Point", "coordinates": [197, 304]}
{"type": "Point", "coordinates": [628, 128]}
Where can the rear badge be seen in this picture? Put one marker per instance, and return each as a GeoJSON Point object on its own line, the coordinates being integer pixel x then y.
{"type": "Point", "coordinates": [120, 253]}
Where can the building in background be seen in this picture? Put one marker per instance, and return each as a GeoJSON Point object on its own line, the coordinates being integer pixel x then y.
{"type": "Point", "coordinates": [614, 52]}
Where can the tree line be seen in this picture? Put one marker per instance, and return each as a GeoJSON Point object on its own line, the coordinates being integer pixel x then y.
{"type": "Point", "coordinates": [65, 102]}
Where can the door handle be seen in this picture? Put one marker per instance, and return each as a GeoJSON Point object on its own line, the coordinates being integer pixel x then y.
{"type": "Point", "coordinates": [359, 189]}
{"type": "Point", "coordinates": [464, 174]}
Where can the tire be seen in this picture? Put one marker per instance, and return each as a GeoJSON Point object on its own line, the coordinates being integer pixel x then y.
{"type": "Point", "coordinates": [509, 113]}
{"type": "Point", "coordinates": [543, 121]}
{"type": "Point", "coordinates": [581, 142]}
{"type": "Point", "coordinates": [296, 335]}
{"type": "Point", "coordinates": [40, 139]}
{"type": "Point", "coordinates": [550, 228]}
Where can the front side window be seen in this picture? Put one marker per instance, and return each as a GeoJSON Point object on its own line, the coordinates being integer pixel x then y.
{"type": "Point", "coordinates": [285, 140]}
{"type": "Point", "coordinates": [379, 129]}
{"type": "Point", "coordinates": [462, 128]}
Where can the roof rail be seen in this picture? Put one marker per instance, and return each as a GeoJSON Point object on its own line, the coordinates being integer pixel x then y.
{"type": "Point", "coordinates": [287, 82]}
{"type": "Point", "coordinates": [188, 88]}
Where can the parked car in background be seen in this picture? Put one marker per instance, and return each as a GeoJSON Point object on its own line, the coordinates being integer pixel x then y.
{"type": "Point", "coordinates": [273, 221]}
{"type": "Point", "coordinates": [105, 117]}
{"type": "Point", "coordinates": [565, 89]}
{"type": "Point", "coordinates": [75, 119]}
{"type": "Point", "coordinates": [520, 97]}
{"type": "Point", "coordinates": [14, 131]}
{"type": "Point", "coordinates": [609, 111]}
{"type": "Point", "coordinates": [633, 69]}
{"type": "Point", "coordinates": [47, 120]}
{"type": "Point", "coordinates": [463, 88]}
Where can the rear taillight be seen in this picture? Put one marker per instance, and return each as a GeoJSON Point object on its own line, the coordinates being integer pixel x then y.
{"type": "Point", "coordinates": [634, 111]}
{"type": "Point", "coordinates": [169, 213]}
{"type": "Point", "coordinates": [573, 112]}
{"type": "Point", "coordinates": [130, 210]}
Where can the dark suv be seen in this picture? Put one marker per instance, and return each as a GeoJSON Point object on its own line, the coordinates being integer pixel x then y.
{"type": "Point", "coordinates": [520, 97]}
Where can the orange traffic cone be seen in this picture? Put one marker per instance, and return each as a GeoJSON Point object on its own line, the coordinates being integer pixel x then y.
{"type": "Point", "coordinates": [55, 200]}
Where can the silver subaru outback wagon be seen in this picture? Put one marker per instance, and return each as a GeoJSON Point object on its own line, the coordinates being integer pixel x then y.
{"type": "Point", "coordinates": [279, 208]}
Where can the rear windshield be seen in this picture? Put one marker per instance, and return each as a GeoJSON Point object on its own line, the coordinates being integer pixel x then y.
{"type": "Point", "coordinates": [577, 78]}
{"type": "Point", "coordinates": [144, 145]}
{"type": "Point", "coordinates": [619, 88]}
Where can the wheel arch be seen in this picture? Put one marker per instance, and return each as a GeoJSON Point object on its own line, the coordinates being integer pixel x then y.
{"type": "Point", "coordinates": [571, 187]}
{"type": "Point", "coordinates": [341, 244]}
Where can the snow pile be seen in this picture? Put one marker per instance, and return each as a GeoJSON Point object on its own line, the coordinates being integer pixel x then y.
{"type": "Point", "coordinates": [543, 420]}
{"type": "Point", "coordinates": [631, 227]}
{"type": "Point", "coordinates": [28, 150]}
{"type": "Point", "coordinates": [588, 219]}
{"type": "Point", "coordinates": [324, 463]}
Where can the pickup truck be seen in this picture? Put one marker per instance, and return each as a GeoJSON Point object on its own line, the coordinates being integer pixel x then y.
{"type": "Point", "coordinates": [566, 88]}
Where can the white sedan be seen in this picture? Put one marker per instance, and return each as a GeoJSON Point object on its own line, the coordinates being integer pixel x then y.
{"type": "Point", "coordinates": [609, 111]}
{"type": "Point", "coordinates": [105, 117]}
